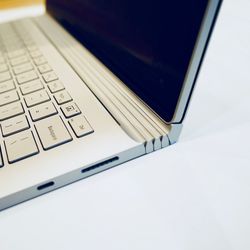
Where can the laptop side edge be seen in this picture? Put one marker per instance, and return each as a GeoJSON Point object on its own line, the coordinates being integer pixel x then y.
{"type": "Point", "coordinates": [197, 59]}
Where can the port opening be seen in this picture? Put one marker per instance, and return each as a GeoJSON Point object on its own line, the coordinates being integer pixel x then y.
{"type": "Point", "coordinates": [46, 185]}
{"type": "Point", "coordinates": [100, 164]}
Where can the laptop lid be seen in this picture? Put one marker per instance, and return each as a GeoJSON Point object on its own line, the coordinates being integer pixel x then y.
{"type": "Point", "coordinates": [154, 47]}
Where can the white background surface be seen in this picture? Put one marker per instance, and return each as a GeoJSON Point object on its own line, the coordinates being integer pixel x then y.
{"type": "Point", "coordinates": [192, 195]}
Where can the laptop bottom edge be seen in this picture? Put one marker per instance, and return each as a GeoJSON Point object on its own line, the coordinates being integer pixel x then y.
{"type": "Point", "coordinates": [71, 177]}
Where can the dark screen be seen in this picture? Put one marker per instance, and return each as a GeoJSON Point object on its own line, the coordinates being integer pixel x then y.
{"type": "Point", "coordinates": [147, 44]}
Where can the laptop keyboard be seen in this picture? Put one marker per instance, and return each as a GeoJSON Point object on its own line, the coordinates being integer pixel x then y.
{"type": "Point", "coordinates": [27, 80]}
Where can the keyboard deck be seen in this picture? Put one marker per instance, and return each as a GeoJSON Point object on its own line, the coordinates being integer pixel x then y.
{"type": "Point", "coordinates": [27, 80]}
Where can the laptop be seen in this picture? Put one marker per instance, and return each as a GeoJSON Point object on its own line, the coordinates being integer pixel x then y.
{"type": "Point", "coordinates": [92, 84]}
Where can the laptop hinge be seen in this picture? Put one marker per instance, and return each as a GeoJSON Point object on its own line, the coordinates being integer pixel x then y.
{"type": "Point", "coordinates": [174, 133]}
{"type": "Point", "coordinates": [134, 117]}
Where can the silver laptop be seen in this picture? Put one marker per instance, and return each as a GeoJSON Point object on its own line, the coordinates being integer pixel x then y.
{"type": "Point", "coordinates": [92, 84]}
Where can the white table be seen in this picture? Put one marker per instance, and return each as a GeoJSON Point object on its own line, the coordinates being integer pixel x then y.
{"type": "Point", "coordinates": [192, 195]}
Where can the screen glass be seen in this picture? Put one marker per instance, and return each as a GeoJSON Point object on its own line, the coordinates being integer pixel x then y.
{"type": "Point", "coordinates": [147, 44]}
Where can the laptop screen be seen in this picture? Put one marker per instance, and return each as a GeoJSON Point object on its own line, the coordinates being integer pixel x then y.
{"type": "Point", "coordinates": [147, 44]}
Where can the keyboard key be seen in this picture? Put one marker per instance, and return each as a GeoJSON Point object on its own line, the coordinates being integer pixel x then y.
{"type": "Point", "coordinates": [42, 111]}
{"type": "Point", "coordinates": [27, 77]}
{"type": "Point", "coordinates": [8, 97]}
{"type": "Point", "coordinates": [49, 77]}
{"type": "Point", "coordinates": [3, 68]}
{"type": "Point", "coordinates": [14, 125]}
{"type": "Point", "coordinates": [35, 54]}
{"type": "Point", "coordinates": [30, 46]}
{"type": "Point", "coordinates": [36, 98]}
{"type": "Point", "coordinates": [27, 39]}
{"type": "Point", "coordinates": [80, 126]}
{"type": "Point", "coordinates": [44, 68]}
{"type": "Point", "coordinates": [70, 109]}
{"type": "Point", "coordinates": [22, 68]}
{"type": "Point", "coordinates": [6, 86]}
{"type": "Point", "coordinates": [20, 146]}
{"type": "Point", "coordinates": [62, 97]}
{"type": "Point", "coordinates": [52, 132]}
{"type": "Point", "coordinates": [30, 87]}
{"type": "Point", "coordinates": [11, 110]}
{"type": "Point", "coordinates": [10, 47]}
{"type": "Point", "coordinates": [16, 53]}
{"type": "Point", "coordinates": [55, 86]}
{"type": "Point", "coordinates": [40, 60]}
{"type": "Point", "coordinates": [5, 76]}
{"type": "Point", "coordinates": [19, 60]}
